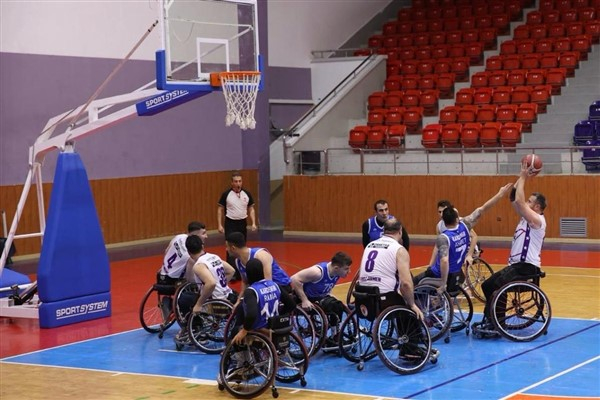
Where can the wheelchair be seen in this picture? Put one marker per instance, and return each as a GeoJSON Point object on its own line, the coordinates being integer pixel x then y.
{"type": "Point", "coordinates": [327, 328]}
{"type": "Point", "coordinates": [445, 313]}
{"type": "Point", "coordinates": [476, 274]}
{"type": "Point", "coordinates": [302, 325]}
{"type": "Point", "coordinates": [156, 309]}
{"type": "Point", "coordinates": [395, 334]}
{"type": "Point", "coordinates": [519, 311]}
{"type": "Point", "coordinates": [248, 370]}
{"type": "Point", "coordinates": [206, 329]}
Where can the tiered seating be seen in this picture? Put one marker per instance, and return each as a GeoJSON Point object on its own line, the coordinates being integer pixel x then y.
{"type": "Point", "coordinates": [587, 133]}
{"type": "Point", "coordinates": [378, 137]}
{"type": "Point", "coordinates": [472, 135]}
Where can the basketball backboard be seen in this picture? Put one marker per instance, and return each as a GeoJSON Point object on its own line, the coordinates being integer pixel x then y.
{"type": "Point", "coordinates": [200, 37]}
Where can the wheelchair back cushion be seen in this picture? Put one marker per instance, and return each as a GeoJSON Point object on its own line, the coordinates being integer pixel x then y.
{"type": "Point", "coordinates": [367, 299]}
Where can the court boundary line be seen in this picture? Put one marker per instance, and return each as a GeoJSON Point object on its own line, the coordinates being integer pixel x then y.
{"type": "Point", "coordinates": [520, 391]}
{"type": "Point", "coordinates": [502, 361]}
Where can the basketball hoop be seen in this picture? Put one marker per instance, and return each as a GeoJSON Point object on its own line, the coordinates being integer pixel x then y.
{"type": "Point", "coordinates": [240, 89]}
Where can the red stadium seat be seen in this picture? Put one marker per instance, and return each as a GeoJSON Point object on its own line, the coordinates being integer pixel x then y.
{"type": "Point", "coordinates": [453, 37]}
{"type": "Point", "coordinates": [392, 83]}
{"type": "Point", "coordinates": [394, 116]}
{"type": "Point", "coordinates": [467, 113]}
{"type": "Point", "coordinates": [569, 60]}
{"type": "Point", "coordinates": [469, 134]}
{"type": "Point", "coordinates": [479, 79]}
{"type": "Point", "coordinates": [475, 52]}
{"type": "Point", "coordinates": [556, 30]}
{"type": "Point", "coordinates": [489, 36]}
{"type": "Point", "coordinates": [486, 113]}
{"type": "Point", "coordinates": [556, 77]}
{"type": "Point", "coordinates": [429, 99]}
{"type": "Point", "coordinates": [376, 117]}
{"type": "Point", "coordinates": [451, 24]}
{"type": "Point", "coordinates": [410, 82]}
{"type": "Point", "coordinates": [423, 53]}
{"type": "Point", "coordinates": [530, 61]}
{"type": "Point", "coordinates": [357, 138]}
{"type": "Point", "coordinates": [376, 136]}
{"type": "Point", "coordinates": [493, 63]}
{"type": "Point", "coordinates": [419, 26]}
{"type": "Point", "coordinates": [542, 96]}
{"type": "Point", "coordinates": [569, 15]}
{"type": "Point", "coordinates": [525, 46]}
{"type": "Point", "coordinates": [501, 95]}
{"type": "Point", "coordinates": [549, 60]}
{"type": "Point", "coordinates": [562, 44]}
{"type": "Point", "coordinates": [409, 67]}
{"type": "Point", "coordinates": [586, 14]}
{"type": "Point", "coordinates": [464, 96]}
{"type": "Point", "coordinates": [511, 61]}
{"type": "Point", "coordinates": [574, 28]}
{"type": "Point", "coordinates": [438, 52]}
{"type": "Point", "coordinates": [501, 22]}
{"type": "Point", "coordinates": [522, 32]}
{"type": "Point", "coordinates": [425, 67]}
{"type": "Point", "coordinates": [483, 95]}
{"type": "Point", "coordinates": [582, 44]}
{"type": "Point", "coordinates": [411, 98]}
{"type": "Point", "coordinates": [390, 28]}
{"type": "Point", "coordinates": [520, 94]}
{"type": "Point", "coordinates": [592, 29]}
{"type": "Point", "coordinates": [436, 25]}
{"type": "Point", "coordinates": [456, 50]}
{"type": "Point", "coordinates": [392, 99]}
{"type": "Point", "coordinates": [449, 114]}
{"type": "Point", "coordinates": [489, 134]}
{"type": "Point", "coordinates": [445, 84]}
{"type": "Point", "coordinates": [527, 115]}
{"type": "Point", "coordinates": [551, 16]}
{"type": "Point", "coordinates": [430, 137]}
{"type": "Point", "coordinates": [450, 136]}
{"type": "Point", "coordinates": [413, 119]}
{"type": "Point", "coordinates": [536, 77]}
{"type": "Point", "coordinates": [534, 17]}
{"type": "Point", "coordinates": [506, 113]}
{"type": "Point", "coordinates": [497, 78]}
{"type": "Point", "coordinates": [376, 100]}
{"type": "Point", "coordinates": [406, 53]}
{"type": "Point", "coordinates": [427, 81]}
{"type": "Point", "coordinates": [539, 31]}
{"type": "Point", "coordinates": [395, 136]}
{"type": "Point", "coordinates": [442, 66]}
{"type": "Point", "coordinates": [508, 47]}
{"type": "Point", "coordinates": [510, 134]}
{"type": "Point", "coordinates": [544, 45]}
{"type": "Point", "coordinates": [392, 67]}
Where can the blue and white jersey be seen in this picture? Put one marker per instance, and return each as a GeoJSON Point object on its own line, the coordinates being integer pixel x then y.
{"type": "Point", "coordinates": [267, 296]}
{"type": "Point", "coordinates": [459, 241]}
{"type": "Point", "coordinates": [376, 230]}
{"type": "Point", "coordinates": [215, 265]}
{"type": "Point", "coordinates": [322, 287]}
{"type": "Point", "coordinates": [279, 275]}
{"type": "Point", "coordinates": [378, 265]}
{"type": "Point", "coordinates": [527, 243]}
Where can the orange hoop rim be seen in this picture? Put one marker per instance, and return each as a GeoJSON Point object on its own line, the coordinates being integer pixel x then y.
{"type": "Point", "coordinates": [216, 77]}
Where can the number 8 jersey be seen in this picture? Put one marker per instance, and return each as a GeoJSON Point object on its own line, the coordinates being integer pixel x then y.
{"type": "Point", "coordinates": [378, 265]}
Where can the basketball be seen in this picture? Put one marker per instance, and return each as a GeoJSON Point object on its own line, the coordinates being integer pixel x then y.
{"type": "Point", "coordinates": [533, 162]}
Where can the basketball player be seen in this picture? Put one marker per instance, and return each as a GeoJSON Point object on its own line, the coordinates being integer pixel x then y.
{"type": "Point", "coordinates": [526, 249]}
{"type": "Point", "coordinates": [176, 255]}
{"type": "Point", "coordinates": [452, 244]}
{"type": "Point", "coordinates": [372, 228]}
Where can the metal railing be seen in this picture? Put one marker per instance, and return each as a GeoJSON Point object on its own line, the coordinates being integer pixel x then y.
{"type": "Point", "coordinates": [442, 161]}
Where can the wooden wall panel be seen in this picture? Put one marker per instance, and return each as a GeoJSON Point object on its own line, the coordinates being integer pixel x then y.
{"type": "Point", "coordinates": [342, 203]}
{"type": "Point", "coordinates": [137, 208]}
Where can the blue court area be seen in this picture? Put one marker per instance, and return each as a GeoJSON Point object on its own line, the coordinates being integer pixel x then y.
{"type": "Point", "coordinates": [566, 362]}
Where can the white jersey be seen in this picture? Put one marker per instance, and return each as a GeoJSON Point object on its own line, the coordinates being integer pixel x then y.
{"type": "Point", "coordinates": [217, 269]}
{"type": "Point", "coordinates": [176, 258]}
{"type": "Point", "coordinates": [441, 227]}
{"type": "Point", "coordinates": [378, 265]}
{"type": "Point", "coordinates": [527, 243]}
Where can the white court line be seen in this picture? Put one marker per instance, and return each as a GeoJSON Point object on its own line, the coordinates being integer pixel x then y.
{"type": "Point", "coordinates": [552, 377]}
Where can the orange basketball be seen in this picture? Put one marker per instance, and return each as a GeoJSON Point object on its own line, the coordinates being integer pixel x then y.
{"type": "Point", "coordinates": [533, 162]}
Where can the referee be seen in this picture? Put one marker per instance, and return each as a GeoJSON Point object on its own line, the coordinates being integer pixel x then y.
{"type": "Point", "coordinates": [238, 205]}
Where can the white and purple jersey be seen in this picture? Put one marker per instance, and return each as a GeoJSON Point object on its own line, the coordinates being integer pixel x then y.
{"type": "Point", "coordinates": [527, 243]}
{"type": "Point", "coordinates": [378, 265]}
{"type": "Point", "coordinates": [322, 287]}
{"type": "Point", "coordinates": [215, 265]}
{"type": "Point", "coordinates": [278, 274]}
{"type": "Point", "coordinates": [176, 258]}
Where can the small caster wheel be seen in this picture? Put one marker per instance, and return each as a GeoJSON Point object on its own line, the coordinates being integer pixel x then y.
{"type": "Point", "coordinates": [447, 340]}
{"type": "Point", "coordinates": [360, 367]}
{"type": "Point", "coordinates": [434, 360]}
{"type": "Point", "coordinates": [160, 335]}
{"type": "Point", "coordinates": [467, 331]}
{"type": "Point", "coordinates": [302, 382]}
{"type": "Point", "coordinates": [221, 387]}
{"type": "Point", "coordinates": [178, 346]}
{"type": "Point", "coordinates": [275, 393]}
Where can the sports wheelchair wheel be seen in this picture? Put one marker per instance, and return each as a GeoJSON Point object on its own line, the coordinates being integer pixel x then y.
{"type": "Point", "coordinates": [156, 314]}
{"type": "Point", "coordinates": [463, 310]}
{"type": "Point", "coordinates": [333, 333]}
{"type": "Point", "coordinates": [437, 309]}
{"type": "Point", "coordinates": [321, 326]}
{"type": "Point", "coordinates": [356, 339]}
{"type": "Point", "coordinates": [303, 326]}
{"type": "Point", "coordinates": [206, 329]}
{"type": "Point", "coordinates": [351, 288]}
{"type": "Point", "coordinates": [520, 311]}
{"type": "Point", "coordinates": [402, 341]}
{"type": "Point", "coordinates": [476, 274]}
{"type": "Point", "coordinates": [292, 359]}
{"type": "Point", "coordinates": [185, 298]}
{"type": "Point", "coordinates": [248, 370]}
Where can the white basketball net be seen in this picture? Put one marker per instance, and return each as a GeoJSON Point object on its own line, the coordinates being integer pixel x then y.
{"type": "Point", "coordinates": [240, 89]}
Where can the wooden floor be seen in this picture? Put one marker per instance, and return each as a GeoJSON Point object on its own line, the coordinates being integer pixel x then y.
{"type": "Point", "coordinates": [572, 285]}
